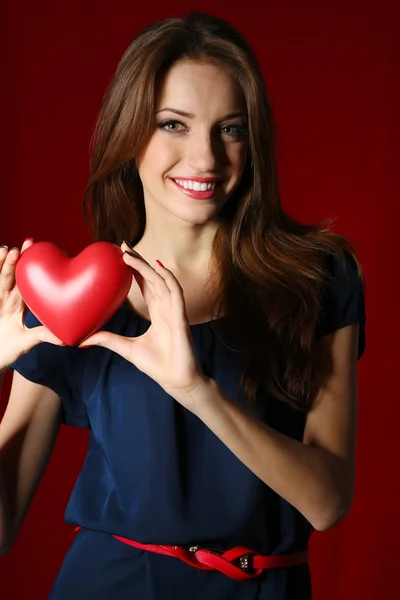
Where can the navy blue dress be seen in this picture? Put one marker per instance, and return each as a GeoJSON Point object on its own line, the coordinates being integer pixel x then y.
{"type": "Point", "coordinates": [156, 474]}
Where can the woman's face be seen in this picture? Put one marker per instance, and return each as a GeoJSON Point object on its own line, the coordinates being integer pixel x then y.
{"type": "Point", "coordinates": [196, 155]}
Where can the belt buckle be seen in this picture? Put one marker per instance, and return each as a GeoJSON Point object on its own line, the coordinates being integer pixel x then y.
{"type": "Point", "coordinates": [244, 562]}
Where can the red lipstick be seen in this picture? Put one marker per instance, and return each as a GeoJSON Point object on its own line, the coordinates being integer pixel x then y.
{"type": "Point", "coordinates": [197, 194]}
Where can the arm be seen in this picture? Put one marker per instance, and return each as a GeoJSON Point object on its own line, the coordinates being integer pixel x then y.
{"type": "Point", "coordinates": [317, 475]}
{"type": "Point", "coordinates": [28, 432]}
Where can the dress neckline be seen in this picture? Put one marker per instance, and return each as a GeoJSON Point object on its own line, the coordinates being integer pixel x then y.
{"type": "Point", "coordinates": [191, 325]}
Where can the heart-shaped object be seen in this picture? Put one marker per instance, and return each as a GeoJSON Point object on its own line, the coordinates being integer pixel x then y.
{"type": "Point", "coordinates": [73, 297]}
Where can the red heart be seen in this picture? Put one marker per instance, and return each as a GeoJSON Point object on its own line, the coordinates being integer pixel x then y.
{"type": "Point", "coordinates": [73, 297]}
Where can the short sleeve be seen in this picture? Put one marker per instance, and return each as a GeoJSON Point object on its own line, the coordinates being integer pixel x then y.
{"type": "Point", "coordinates": [343, 300]}
{"type": "Point", "coordinates": [59, 368]}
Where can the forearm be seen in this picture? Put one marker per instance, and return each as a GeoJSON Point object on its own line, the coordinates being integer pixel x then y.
{"type": "Point", "coordinates": [4, 519]}
{"type": "Point", "coordinates": [313, 480]}
{"type": "Point", "coordinates": [4, 516]}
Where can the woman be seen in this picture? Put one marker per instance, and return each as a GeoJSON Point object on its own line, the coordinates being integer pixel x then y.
{"type": "Point", "coordinates": [221, 397]}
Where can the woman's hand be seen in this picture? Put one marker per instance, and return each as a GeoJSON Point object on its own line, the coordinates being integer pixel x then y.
{"type": "Point", "coordinates": [16, 339]}
{"type": "Point", "coordinates": [166, 351]}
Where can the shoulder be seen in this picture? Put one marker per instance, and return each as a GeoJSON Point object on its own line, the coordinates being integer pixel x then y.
{"type": "Point", "coordinates": [342, 301]}
{"type": "Point", "coordinates": [341, 270]}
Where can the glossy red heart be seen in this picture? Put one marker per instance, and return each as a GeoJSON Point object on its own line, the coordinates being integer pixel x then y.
{"type": "Point", "coordinates": [73, 297]}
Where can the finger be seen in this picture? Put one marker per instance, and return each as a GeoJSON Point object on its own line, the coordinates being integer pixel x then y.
{"type": "Point", "coordinates": [35, 335]}
{"type": "Point", "coordinates": [105, 339]}
{"type": "Point", "coordinates": [125, 247]}
{"type": "Point", "coordinates": [174, 287]}
{"type": "Point", "coordinates": [144, 269]}
{"type": "Point", "coordinates": [170, 280]}
{"type": "Point", "coordinates": [42, 334]}
{"type": "Point", "coordinates": [7, 273]}
{"type": "Point", "coordinates": [3, 254]}
{"type": "Point", "coordinates": [12, 260]}
{"type": "Point", "coordinates": [28, 242]}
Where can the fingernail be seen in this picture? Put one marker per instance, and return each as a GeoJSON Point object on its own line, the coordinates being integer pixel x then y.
{"type": "Point", "coordinates": [160, 263]}
{"type": "Point", "coordinates": [85, 346]}
{"type": "Point", "coordinates": [133, 253]}
{"type": "Point", "coordinates": [28, 240]}
{"type": "Point", "coordinates": [4, 247]}
{"type": "Point", "coordinates": [132, 249]}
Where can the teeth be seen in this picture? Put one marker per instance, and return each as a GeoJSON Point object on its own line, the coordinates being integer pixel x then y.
{"type": "Point", "coordinates": [196, 185]}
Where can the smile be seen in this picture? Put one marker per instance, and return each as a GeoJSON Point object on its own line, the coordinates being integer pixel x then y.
{"type": "Point", "coordinates": [196, 189]}
{"type": "Point", "coordinates": [188, 184]}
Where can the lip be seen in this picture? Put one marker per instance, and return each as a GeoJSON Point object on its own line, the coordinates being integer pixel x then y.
{"type": "Point", "coordinates": [200, 179]}
{"type": "Point", "coordinates": [197, 195]}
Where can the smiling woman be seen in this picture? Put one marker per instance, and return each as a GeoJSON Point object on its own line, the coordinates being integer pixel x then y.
{"type": "Point", "coordinates": [206, 149]}
{"type": "Point", "coordinates": [222, 396]}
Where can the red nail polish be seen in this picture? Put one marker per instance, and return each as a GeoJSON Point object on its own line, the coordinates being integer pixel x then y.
{"type": "Point", "coordinates": [28, 239]}
{"type": "Point", "coordinates": [160, 263]}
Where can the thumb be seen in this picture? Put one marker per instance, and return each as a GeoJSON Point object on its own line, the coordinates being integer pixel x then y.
{"type": "Point", "coordinates": [42, 334]}
{"type": "Point", "coordinates": [34, 336]}
{"type": "Point", "coordinates": [117, 343]}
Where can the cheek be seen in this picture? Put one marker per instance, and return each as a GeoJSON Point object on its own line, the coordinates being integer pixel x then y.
{"type": "Point", "coordinates": [237, 156]}
{"type": "Point", "coordinates": [161, 156]}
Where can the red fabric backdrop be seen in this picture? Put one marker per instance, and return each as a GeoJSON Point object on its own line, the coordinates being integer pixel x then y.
{"type": "Point", "coordinates": [332, 72]}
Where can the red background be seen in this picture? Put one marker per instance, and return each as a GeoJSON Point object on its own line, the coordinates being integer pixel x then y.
{"type": "Point", "coordinates": [332, 72]}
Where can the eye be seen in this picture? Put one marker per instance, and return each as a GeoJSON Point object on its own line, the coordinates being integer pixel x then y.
{"type": "Point", "coordinates": [172, 126]}
{"type": "Point", "coordinates": [234, 130]}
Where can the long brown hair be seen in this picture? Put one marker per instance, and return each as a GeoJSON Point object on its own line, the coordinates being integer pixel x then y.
{"type": "Point", "coordinates": [270, 268]}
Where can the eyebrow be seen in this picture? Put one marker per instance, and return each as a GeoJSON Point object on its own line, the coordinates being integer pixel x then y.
{"type": "Point", "coordinates": [233, 115]}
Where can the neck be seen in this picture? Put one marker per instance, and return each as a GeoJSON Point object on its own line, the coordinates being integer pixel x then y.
{"type": "Point", "coordinates": [181, 253]}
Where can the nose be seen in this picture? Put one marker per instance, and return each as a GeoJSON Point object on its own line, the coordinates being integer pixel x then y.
{"type": "Point", "coordinates": [205, 153]}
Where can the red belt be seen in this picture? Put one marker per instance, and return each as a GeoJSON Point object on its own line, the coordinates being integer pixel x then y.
{"type": "Point", "coordinates": [238, 563]}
